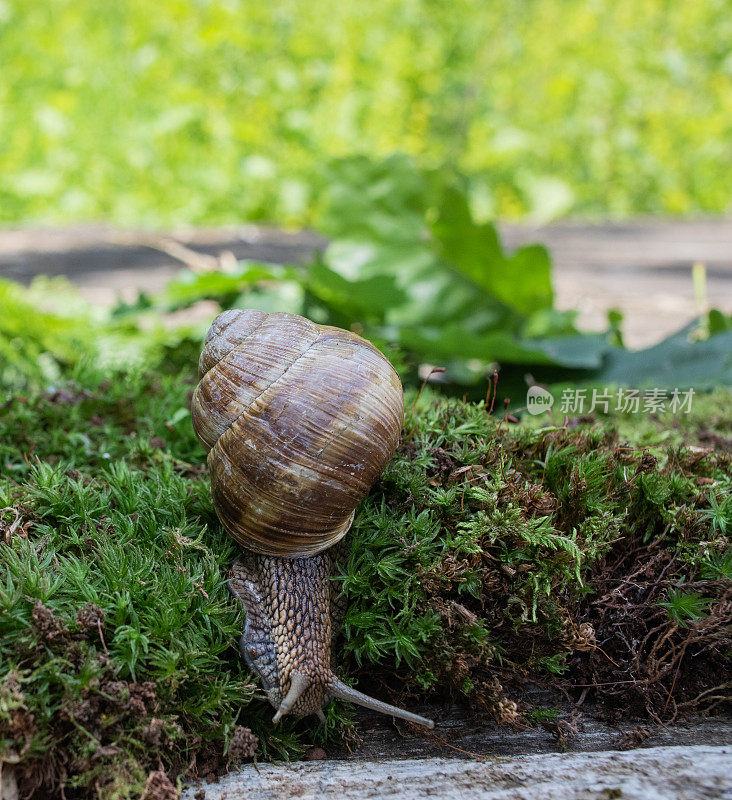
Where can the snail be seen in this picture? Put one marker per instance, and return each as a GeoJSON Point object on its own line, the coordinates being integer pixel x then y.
{"type": "Point", "coordinates": [299, 420]}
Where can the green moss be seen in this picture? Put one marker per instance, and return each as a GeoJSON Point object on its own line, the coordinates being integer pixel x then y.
{"type": "Point", "coordinates": [473, 565]}
{"type": "Point", "coordinates": [482, 526]}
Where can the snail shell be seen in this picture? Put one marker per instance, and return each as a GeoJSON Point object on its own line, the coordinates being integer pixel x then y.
{"type": "Point", "coordinates": [299, 420]}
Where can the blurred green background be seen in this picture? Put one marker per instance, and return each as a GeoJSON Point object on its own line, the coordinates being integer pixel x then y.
{"type": "Point", "coordinates": [401, 131]}
{"type": "Point", "coordinates": [175, 111]}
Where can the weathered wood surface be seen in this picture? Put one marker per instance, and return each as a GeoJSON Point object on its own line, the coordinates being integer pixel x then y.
{"type": "Point", "coordinates": [637, 245]}
{"type": "Point", "coordinates": [8, 784]}
{"type": "Point", "coordinates": [642, 268]}
{"type": "Point", "coordinates": [672, 773]}
{"type": "Point", "coordinates": [459, 733]}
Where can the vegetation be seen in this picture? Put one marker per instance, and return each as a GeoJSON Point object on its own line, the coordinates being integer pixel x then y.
{"type": "Point", "coordinates": [409, 267]}
{"type": "Point", "coordinates": [118, 659]}
{"type": "Point", "coordinates": [399, 130]}
{"type": "Point", "coordinates": [185, 112]}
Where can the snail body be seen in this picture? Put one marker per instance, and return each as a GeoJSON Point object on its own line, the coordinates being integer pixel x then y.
{"type": "Point", "coordinates": [299, 420]}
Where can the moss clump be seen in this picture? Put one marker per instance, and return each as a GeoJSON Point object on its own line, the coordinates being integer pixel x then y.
{"type": "Point", "coordinates": [493, 553]}
{"type": "Point", "coordinates": [488, 554]}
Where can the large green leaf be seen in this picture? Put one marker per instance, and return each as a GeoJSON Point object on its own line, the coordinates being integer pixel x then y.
{"type": "Point", "coordinates": [376, 201]}
{"type": "Point", "coordinates": [360, 299]}
{"type": "Point", "coordinates": [453, 342]}
{"type": "Point", "coordinates": [677, 362]}
{"type": "Point", "coordinates": [581, 351]}
{"type": "Point", "coordinates": [521, 281]}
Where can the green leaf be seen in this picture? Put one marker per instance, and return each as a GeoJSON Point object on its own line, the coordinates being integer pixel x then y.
{"type": "Point", "coordinates": [521, 281]}
{"type": "Point", "coordinates": [718, 322]}
{"type": "Point", "coordinates": [189, 287]}
{"type": "Point", "coordinates": [453, 341]}
{"type": "Point", "coordinates": [684, 607]}
{"type": "Point", "coordinates": [583, 351]}
{"type": "Point", "coordinates": [677, 362]}
{"type": "Point", "coordinates": [382, 200]}
{"type": "Point", "coordinates": [367, 297]}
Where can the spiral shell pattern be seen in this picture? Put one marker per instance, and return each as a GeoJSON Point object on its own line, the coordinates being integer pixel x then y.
{"type": "Point", "coordinates": [299, 420]}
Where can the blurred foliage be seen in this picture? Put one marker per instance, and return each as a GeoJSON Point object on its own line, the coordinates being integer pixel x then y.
{"type": "Point", "coordinates": [409, 268]}
{"type": "Point", "coordinates": [48, 332]}
{"type": "Point", "coordinates": [213, 112]}
{"type": "Point", "coordinates": [36, 343]}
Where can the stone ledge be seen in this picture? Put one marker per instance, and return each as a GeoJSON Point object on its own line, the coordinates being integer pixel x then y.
{"type": "Point", "coordinates": [661, 773]}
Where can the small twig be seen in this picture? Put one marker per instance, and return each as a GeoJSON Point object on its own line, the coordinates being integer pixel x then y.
{"type": "Point", "coordinates": [10, 530]}
{"type": "Point", "coordinates": [607, 683]}
{"type": "Point", "coordinates": [101, 636]}
{"type": "Point", "coordinates": [495, 392]}
{"type": "Point", "coordinates": [673, 684]}
{"type": "Point", "coordinates": [195, 261]}
{"type": "Point", "coordinates": [597, 647]}
{"type": "Point", "coordinates": [444, 743]}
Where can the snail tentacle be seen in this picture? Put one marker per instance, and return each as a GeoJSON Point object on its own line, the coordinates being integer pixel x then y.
{"type": "Point", "coordinates": [298, 684]}
{"type": "Point", "coordinates": [339, 689]}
